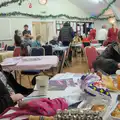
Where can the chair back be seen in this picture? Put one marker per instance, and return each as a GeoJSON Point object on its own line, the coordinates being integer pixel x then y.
{"type": "Point", "coordinates": [17, 52]}
{"type": "Point", "coordinates": [38, 51]}
{"type": "Point", "coordinates": [5, 48]}
{"type": "Point", "coordinates": [94, 42]}
{"type": "Point", "coordinates": [85, 44]}
{"type": "Point", "coordinates": [91, 55]}
{"type": "Point", "coordinates": [10, 48]}
{"type": "Point", "coordinates": [48, 50]}
{"type": "Point", "coordinates": [61, 65]}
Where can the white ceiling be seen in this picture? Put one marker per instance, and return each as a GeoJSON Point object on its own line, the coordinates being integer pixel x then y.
{"type": "Point", "coordinates": [92, 7]}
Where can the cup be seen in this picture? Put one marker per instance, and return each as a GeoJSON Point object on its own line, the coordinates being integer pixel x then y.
{"type": "Point", "coordinates": [118, 79]}
{"type": "Point", "coordinates": [42, 84]}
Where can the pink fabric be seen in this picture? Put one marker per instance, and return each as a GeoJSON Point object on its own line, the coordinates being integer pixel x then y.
{"type": "Point", "coordinates": [42, 106]}
{"type": "Point", "coordinates": [43, 63]}
{"type": "Point", "coordinates": [91, 55]}
{"type": "Point", "coordinates": [16, 52]}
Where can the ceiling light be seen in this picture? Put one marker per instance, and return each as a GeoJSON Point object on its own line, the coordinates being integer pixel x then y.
{"type": "Point", "coordinates": [96, 1]}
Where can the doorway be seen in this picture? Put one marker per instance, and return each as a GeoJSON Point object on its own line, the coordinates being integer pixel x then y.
{"type": "Point", "coordinates": [45, 29]}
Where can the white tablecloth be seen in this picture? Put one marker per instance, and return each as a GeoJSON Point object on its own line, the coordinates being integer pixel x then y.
{"type": "Point", "coordinates": [100, 49]}
{"type": "Point", "coordinates": [59, 48]}
{"type": "Point", "coordinates": [33, 63]}
{"type": "Point", "coordinates": [95, 44]}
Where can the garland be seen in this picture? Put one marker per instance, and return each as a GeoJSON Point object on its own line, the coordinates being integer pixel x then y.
{"type": "Point", "coordinates": [49, 16]}
{"type": "Point", "coordinates": [6, 3]}
{"type": "Point", "coordinates": [104, 10]}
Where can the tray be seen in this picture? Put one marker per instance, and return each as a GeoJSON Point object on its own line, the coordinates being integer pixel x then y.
{"type": "Point", "coordinates": [89, 105]}
{"type": "Point", "coordinates": [114, 118]}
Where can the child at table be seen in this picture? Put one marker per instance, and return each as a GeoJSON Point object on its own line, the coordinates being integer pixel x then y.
{"type": "Point", "coordinates": [76, 39]}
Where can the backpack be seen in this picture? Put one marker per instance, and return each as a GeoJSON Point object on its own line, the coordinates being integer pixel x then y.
{"type": "Point", "coordinates": [42, 106]}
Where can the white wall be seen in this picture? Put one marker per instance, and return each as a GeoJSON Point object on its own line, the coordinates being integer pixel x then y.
{"type": "Point", "coordinates": [53, 7]}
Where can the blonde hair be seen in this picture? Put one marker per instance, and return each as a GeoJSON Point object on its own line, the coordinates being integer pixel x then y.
{"type": "Point", "coordinates": [38, 37]}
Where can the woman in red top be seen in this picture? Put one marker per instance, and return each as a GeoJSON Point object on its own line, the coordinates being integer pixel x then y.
{"type": "Point", "coordinates": [112, 34]}
{"type": "Point", "coordinates": [92, 34]}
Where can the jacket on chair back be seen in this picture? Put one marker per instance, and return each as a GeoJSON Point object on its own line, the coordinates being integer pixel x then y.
{"type": "Point", "coordinates": [109, 59]}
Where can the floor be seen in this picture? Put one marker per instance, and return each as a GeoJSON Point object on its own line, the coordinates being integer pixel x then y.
{"type": "Point", "coordinates": [78, 66]}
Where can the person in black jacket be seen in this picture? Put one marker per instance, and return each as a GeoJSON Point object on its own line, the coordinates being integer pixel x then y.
{"type": "Point", "coordinates": [109, 60]}
{"type": "Point", "coordinates": [17, 38]}
{"type": "Point", "coordinates": [7, 99]}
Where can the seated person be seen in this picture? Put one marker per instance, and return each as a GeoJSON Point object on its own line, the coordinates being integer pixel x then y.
{"type": "Point", "coordinates": [37, 43]}
{"type": "Point", "coordinates": [76, 39]}
{"type": "Point", "coordinates": [12, 85]}
{"type": "Point", "coordinates": [109, 60]}
{"type": "Point", "coordinates": [8, 99]}
{"type": "Point", "coordinates": [85, 39]}
{"type": "Point", "coordinates": [27, 41]}
{"type": "Point", "coordinates": [17, 38]}
{"type": "Point", "coordinates": [54, 41]}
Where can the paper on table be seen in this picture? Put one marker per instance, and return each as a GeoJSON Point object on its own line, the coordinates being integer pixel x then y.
{"type": "Point", "coordinates": [62, 76]}
{"type": "Point", "coordinates": [31, 58]}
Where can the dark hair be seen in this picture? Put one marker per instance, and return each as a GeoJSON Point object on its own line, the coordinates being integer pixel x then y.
{"type": "Point", "coordinates": [81, 37]}
{"type": "Point", "coordinates": [16, 32]}
{"type": "Point", "coordinates": [17, 40]}
{"type": "Point", "coordinates": [66, 24]}
{"type": "Point", "coordinates": [26, 25]}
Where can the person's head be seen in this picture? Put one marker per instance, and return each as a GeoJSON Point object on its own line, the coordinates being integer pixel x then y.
{"type": "Point", "coordinates": [25, 27]}
{"type": "Point", "coordinates": [119, 36]}
{"type": "Point", "coordinates": [55, 38]}
{"type": "Point", "coordinates": [66, 24]}
{"type": "Point", "coordinates": [38, 37]}
{"type": "Point", "coordinates": [18, 33]}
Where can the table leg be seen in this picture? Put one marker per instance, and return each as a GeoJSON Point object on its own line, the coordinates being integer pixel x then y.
{"type": "Point", "coordinates": [15, 72]}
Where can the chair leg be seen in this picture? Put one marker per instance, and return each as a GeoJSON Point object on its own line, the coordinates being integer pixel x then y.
{"type": "Point", "coordinates": [20, 79]}
{"type": "Point", "coordinates": [29, 80]}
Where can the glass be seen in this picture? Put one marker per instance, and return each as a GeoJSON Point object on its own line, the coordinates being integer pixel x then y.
{"type": "Point", "coordinates": [118, 79]}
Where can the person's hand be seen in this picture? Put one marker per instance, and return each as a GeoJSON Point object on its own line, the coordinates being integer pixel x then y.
{"type": "Point", "coordinates": [118, 65]}
{"type": "Point", "coordinates": [17, 97]}
{"type": "Point", "coordinates": [12, 93]}
{"type": "Point", "coordinates": [22, 104]}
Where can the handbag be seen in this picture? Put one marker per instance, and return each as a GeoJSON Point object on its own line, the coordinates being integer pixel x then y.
{"type": "Point", "coordinates": [42, 106]}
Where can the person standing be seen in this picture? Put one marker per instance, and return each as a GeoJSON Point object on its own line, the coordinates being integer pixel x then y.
{"type": "Point", "coordinates": [92, 34]}
{"type": "Point", "coordinates": [66, 36]}
{"type": "Point", "coordinates": [112, 34]}
{"type": "Point", "coordinates": [26, 31]}
{"type": "Point", "coordinates": [102, 34]}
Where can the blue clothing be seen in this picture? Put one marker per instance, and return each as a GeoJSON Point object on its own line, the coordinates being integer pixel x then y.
{"type": "Point", "coordinates": [36, 44]}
